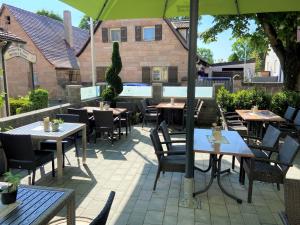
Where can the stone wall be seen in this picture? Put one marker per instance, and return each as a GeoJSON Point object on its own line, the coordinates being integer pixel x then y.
{"type": "Point", "coordinates": [271, 88]}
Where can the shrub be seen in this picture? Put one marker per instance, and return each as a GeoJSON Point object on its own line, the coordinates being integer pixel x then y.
{"type": "Point", "coordinates": [225, 99]}
{"type": "Point", "coordinates": [20, 105]}
{"type": "Point", "coordinates": [281, 100]}
{"type": "Point", "coordinates": [108, 94]}
{"type": "Point", "coordinates": [39, 98]}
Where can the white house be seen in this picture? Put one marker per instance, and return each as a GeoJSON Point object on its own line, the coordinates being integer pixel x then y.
{"type": "Point", "coordinates": [272, 64]}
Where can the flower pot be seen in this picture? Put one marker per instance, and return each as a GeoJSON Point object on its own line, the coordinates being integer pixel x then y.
{"type": "Point", "coordinates": [55, 127]}
{"type": "Point", "coordinates": [9, 198]}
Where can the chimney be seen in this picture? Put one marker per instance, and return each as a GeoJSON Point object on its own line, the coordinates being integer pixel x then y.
{"type": "Point", "coordinates": [68, 27]}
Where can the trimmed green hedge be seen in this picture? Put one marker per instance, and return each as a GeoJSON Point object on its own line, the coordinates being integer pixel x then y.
{"type": "Point", "coordinates": [36, 99]}
{"type": "Point", "coordinates": [245, 99]}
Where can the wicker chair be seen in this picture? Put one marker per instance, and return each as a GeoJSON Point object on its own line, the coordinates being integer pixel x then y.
{"type": "Point", "coordinates": [105, 122]}
{"type": "Point", "coordinates": [290, 113]}
{"type": "Point", "coordinates": [168, 141]}
{"type": "Point", "coordinates": [127, 116]}
{"type": "Point", "coordinates": [21, 154]}
{"type": "Point", "coordinates": [292, 129]}
{"type": "Point", "coordinates": [170, 161]}
{"type": "Point", "coordinates": [68, 141]}
{"type": "Point", "coordinates": [268, 170]}
{"type": "Point", "coordinates": [149, 114]}
{"type": "Point", "coordinates": [102, 217]}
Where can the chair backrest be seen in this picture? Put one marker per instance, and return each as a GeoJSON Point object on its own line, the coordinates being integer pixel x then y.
{"type": "Point", "coordinates": [143, 106]}
{"type": "Point", "coordinates": [156, 143]}
{"type": "Point", "coordinates": [17, 147]}
{"type": "Point", "coordinates": [83, 115]}
{"type": "Point", "coordinates": [287, 152]}
{"type": "Point", "coordinates": [102, 217]}
{"type": "Point", "coordinates": [297, 121]}
{"type": "Point", "coordinates": [290, 113]}
{"type": "Point", "coordinates": [271, 137]}
{"type": "Point", "coordinates": [68, 118]}
{"type": "Point", "coordinates": [104, 118]}
{"type": "Point", "coordinates": [164, 129]}
{"type": "Point", "coordinates": [199, 108]}
{"type": "Point", "coordinates": [128, 105]}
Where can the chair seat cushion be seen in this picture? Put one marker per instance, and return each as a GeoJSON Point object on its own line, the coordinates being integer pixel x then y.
{"type": "Point", "coordinates": [264, 171]}
{"type": "Point", "coordinates": [178, 147]}
{"type": "Point", "coordinates": [174, 163]}
{"type": "Point", "coordinates": [259, 153]}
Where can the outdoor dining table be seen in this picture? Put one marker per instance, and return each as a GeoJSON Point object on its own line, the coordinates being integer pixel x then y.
{"type": "Point", "coordinates": [230, 143]}
{"type": "Point", "coordinates": [36, 130]}
{"type": "Point", "coordinates": [116, 111]}
{"type": "Point", "coordinates": [259, 116]}
{"type": "Point", "coordinates": [38, 205]}
{"type": "Point", "coordinates": [171, 107]}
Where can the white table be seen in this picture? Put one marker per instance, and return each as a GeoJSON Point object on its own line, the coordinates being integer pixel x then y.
{"type": "Point", "coordinates": [36, 130]}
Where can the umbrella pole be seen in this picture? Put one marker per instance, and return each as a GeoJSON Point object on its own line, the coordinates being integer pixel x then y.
{"type": "Point", "coordinates": [188, 200]}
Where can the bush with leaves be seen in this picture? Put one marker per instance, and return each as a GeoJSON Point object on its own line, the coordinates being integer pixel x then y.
{"type": "Point", "coordinates": [115, 85]}
{"type": "Point", "coordinates": [281, 100]}
{"type": "Point", "coordinates": [39, 98]}
{"type": "Point", "coordinates": [225, 99]}
{"type": "Point", "coordinates": [20, 105]}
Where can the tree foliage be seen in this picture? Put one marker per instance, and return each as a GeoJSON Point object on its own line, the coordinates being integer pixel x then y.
{"type": "Point", "coordinates": [206, 54]}
{"type": "Point", "coordinates": [50, 14]}
{"type": "Point", "coordinates": [233, 57]}
{"type": "Point", "coordinates": [85, 22]}
{"type": "Point", "coordinates": [279, 30]}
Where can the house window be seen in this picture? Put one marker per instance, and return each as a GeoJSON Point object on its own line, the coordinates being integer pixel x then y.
{"type": "Point", "coordinates": [148, 33]}
{"type": "Point", "coordinates": [7, 20]}
{"type": "Point", "coordinates": [115, 35]}
{"type": "Point", "coordinates": [159, 73]}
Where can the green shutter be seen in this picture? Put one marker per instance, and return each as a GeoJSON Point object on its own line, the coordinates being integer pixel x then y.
{"type": "Point", "coordinates": [173, 74]}
{"type": "Point", "coordinates": [146, 75]}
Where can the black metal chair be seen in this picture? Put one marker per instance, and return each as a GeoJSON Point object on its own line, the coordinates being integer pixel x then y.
{"type": "Point", "coordinates": [21, 154]}
{"type": "Point", "coordinates": [168, 161]}
{"type": "Point", "coordinates": [269, 170]}
{"type": "Point", "coordinates": [169, 142]}
{"type": "Point", "coordinates": [102, 217]}
{"type": "Point", "coordinates": [67, 142]}
{"type": "Point", "coordinates": [84, 118]}
{"type": "Point", "coordinates": [149, 114]}
{"type": "Point", "coordinates": [106, 123]}
{"type": "Point", "coordinates": [127, 116]}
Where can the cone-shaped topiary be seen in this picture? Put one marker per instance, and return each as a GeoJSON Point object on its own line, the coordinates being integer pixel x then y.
{"type": "Point", "coordinates": [111, 76]}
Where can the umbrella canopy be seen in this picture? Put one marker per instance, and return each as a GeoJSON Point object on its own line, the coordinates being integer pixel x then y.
{"type": "Point", "coordinates": [129, 9]}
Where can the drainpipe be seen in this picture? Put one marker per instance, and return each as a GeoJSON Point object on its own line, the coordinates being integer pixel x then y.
{"type": "Point", "coordinates": [92, 52]}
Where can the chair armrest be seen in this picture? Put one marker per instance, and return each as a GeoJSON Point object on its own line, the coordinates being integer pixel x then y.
{"type": "Point", "coordinates": [116, 119]}
{"type": "Point", "coordinates": [259, 147]}
{"type": "Point", "coordinates": [251, 137]}
{"type": "Point", "coordinates": [170, 152]}
{"type": "Point", "coordinates": [272, 161]}
{"type": "Point", "coordinates": [177, 133]}
{"type": "Point", "coordinates": [172, 142]}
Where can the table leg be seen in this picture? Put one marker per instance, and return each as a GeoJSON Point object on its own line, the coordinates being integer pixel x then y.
{"type": "Point", "coordinates": [84, 145]}
{"type": "Point", "coordinates": [59, 158]}
{"type": "Point", "coordinates": [219, 181]}
{"type": "Point", "coordinates": [71, 211]}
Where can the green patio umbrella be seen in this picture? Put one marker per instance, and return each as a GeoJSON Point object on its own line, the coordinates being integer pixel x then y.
{"type": "Point", "coordinates": [130, 9]}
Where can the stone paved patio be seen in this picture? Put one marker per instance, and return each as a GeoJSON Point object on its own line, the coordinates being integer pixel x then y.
{"type": "Point", "coordinates": [129, 168]}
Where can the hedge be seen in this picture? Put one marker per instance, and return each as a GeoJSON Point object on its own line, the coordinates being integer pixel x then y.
{"type": "Point", "coordinates": [245, 99]}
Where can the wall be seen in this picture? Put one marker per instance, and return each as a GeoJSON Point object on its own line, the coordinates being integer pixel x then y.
{"type": "Point", "coordinates": [167, 52]}
{"type": "Point", "coordinates": [18, 68]}
{"type": "Point", "coordinates": [272, 64]}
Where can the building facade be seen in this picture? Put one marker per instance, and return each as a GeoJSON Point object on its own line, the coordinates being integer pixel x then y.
{"type": "Point", "coordinates": [55, 45]}
{"type": "Point", "coordinates": [152, 50]}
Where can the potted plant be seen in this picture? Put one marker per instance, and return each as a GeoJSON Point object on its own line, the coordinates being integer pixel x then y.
{"type": "Point", "coordinates": [55, 124]}
{"type": "Point", "coordinates": [9, 194]}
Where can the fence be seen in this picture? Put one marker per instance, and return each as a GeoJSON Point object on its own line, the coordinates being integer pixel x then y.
{"type": "Point", "coordinates": [210, 81]}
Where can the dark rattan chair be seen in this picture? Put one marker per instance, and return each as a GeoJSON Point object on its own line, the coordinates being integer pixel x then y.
{"type": "Point", "coordinates": [67, 142]}
{"type": "Point", "coordinates": [102, 217]}
{"type": "Point", "coordinates": [126, 117]}
{"type": "Point", "coordinates": [197, 111]}
{"type": "Point", "coordinates": [290, 113]}
{"type": "Point", "coordinates": [106, 123]}
{"type": "Point", "coordinates": [168, 141]}
{"type": "Point", "coordinates": [21, 155]}
{"type": "Point", "coordinates": [149, 114]}
{"type": "Point", "coordinates": [268, 170]}
{"type": "Point", "coordinates": [292, 129]}
{"type": "Point", "coordinates": [84, 118]}
{"type": "Point", "coordinates": [168, 161]}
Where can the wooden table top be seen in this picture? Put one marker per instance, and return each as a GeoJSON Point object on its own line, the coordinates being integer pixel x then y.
{"type": "Point", "coordinates": [116, 111]}
{"type": "Point", "coordinates": [36, 130]}
{"type": "Point", "coordinates": [260, 115]}
{"type": "Point", "coordinates": [168, 105]}
{"type": "Point", "coordinates": [38, 205]}
{"type": "Point", "coordinates": [232, 143]}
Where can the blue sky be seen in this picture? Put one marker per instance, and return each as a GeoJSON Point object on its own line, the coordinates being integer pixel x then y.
{"type": "Point", "coordinates": [221, 48]}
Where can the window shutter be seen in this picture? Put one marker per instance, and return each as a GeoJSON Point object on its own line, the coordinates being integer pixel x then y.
{"type": "Point", "coordinates": [172, 74]}
{"type": "Point", "coordinates": [104, 35]}
{"type": "Point", "coordinates": [100, 73]}
{"type": "Point", "coordinates": [138, 33]}
{"type": "Point", "coordinates": [146, 76]}
{"type": "Point", "coordinates": [123, 34]}
{"type": "Point", "coordinates": [158, 32]}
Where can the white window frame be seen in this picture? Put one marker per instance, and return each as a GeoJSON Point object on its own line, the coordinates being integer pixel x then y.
{"type": "Point", "coordinates": [153, 27]}
{"type": "Point", "coordinates": [161, 78]}
{"type": "Point", "coordinates": [114, 29]}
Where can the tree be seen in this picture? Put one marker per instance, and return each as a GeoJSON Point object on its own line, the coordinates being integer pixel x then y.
{"type": "Point", "coordinates": [114, 81]}
{"type": "Point", "coordinates": [206, 54]}
{"type": "Point", "coordinates": [50, 14]}
{"type": "Point", "coordinates": [233, 57]}
{"type": "Point", "coordinates": [279, 30]}
{"type": "Point", "coordinates": [85, 22]}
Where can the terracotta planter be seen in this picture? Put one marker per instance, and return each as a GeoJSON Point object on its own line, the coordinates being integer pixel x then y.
{"type": "Point", "coordinates": [9, 198]}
